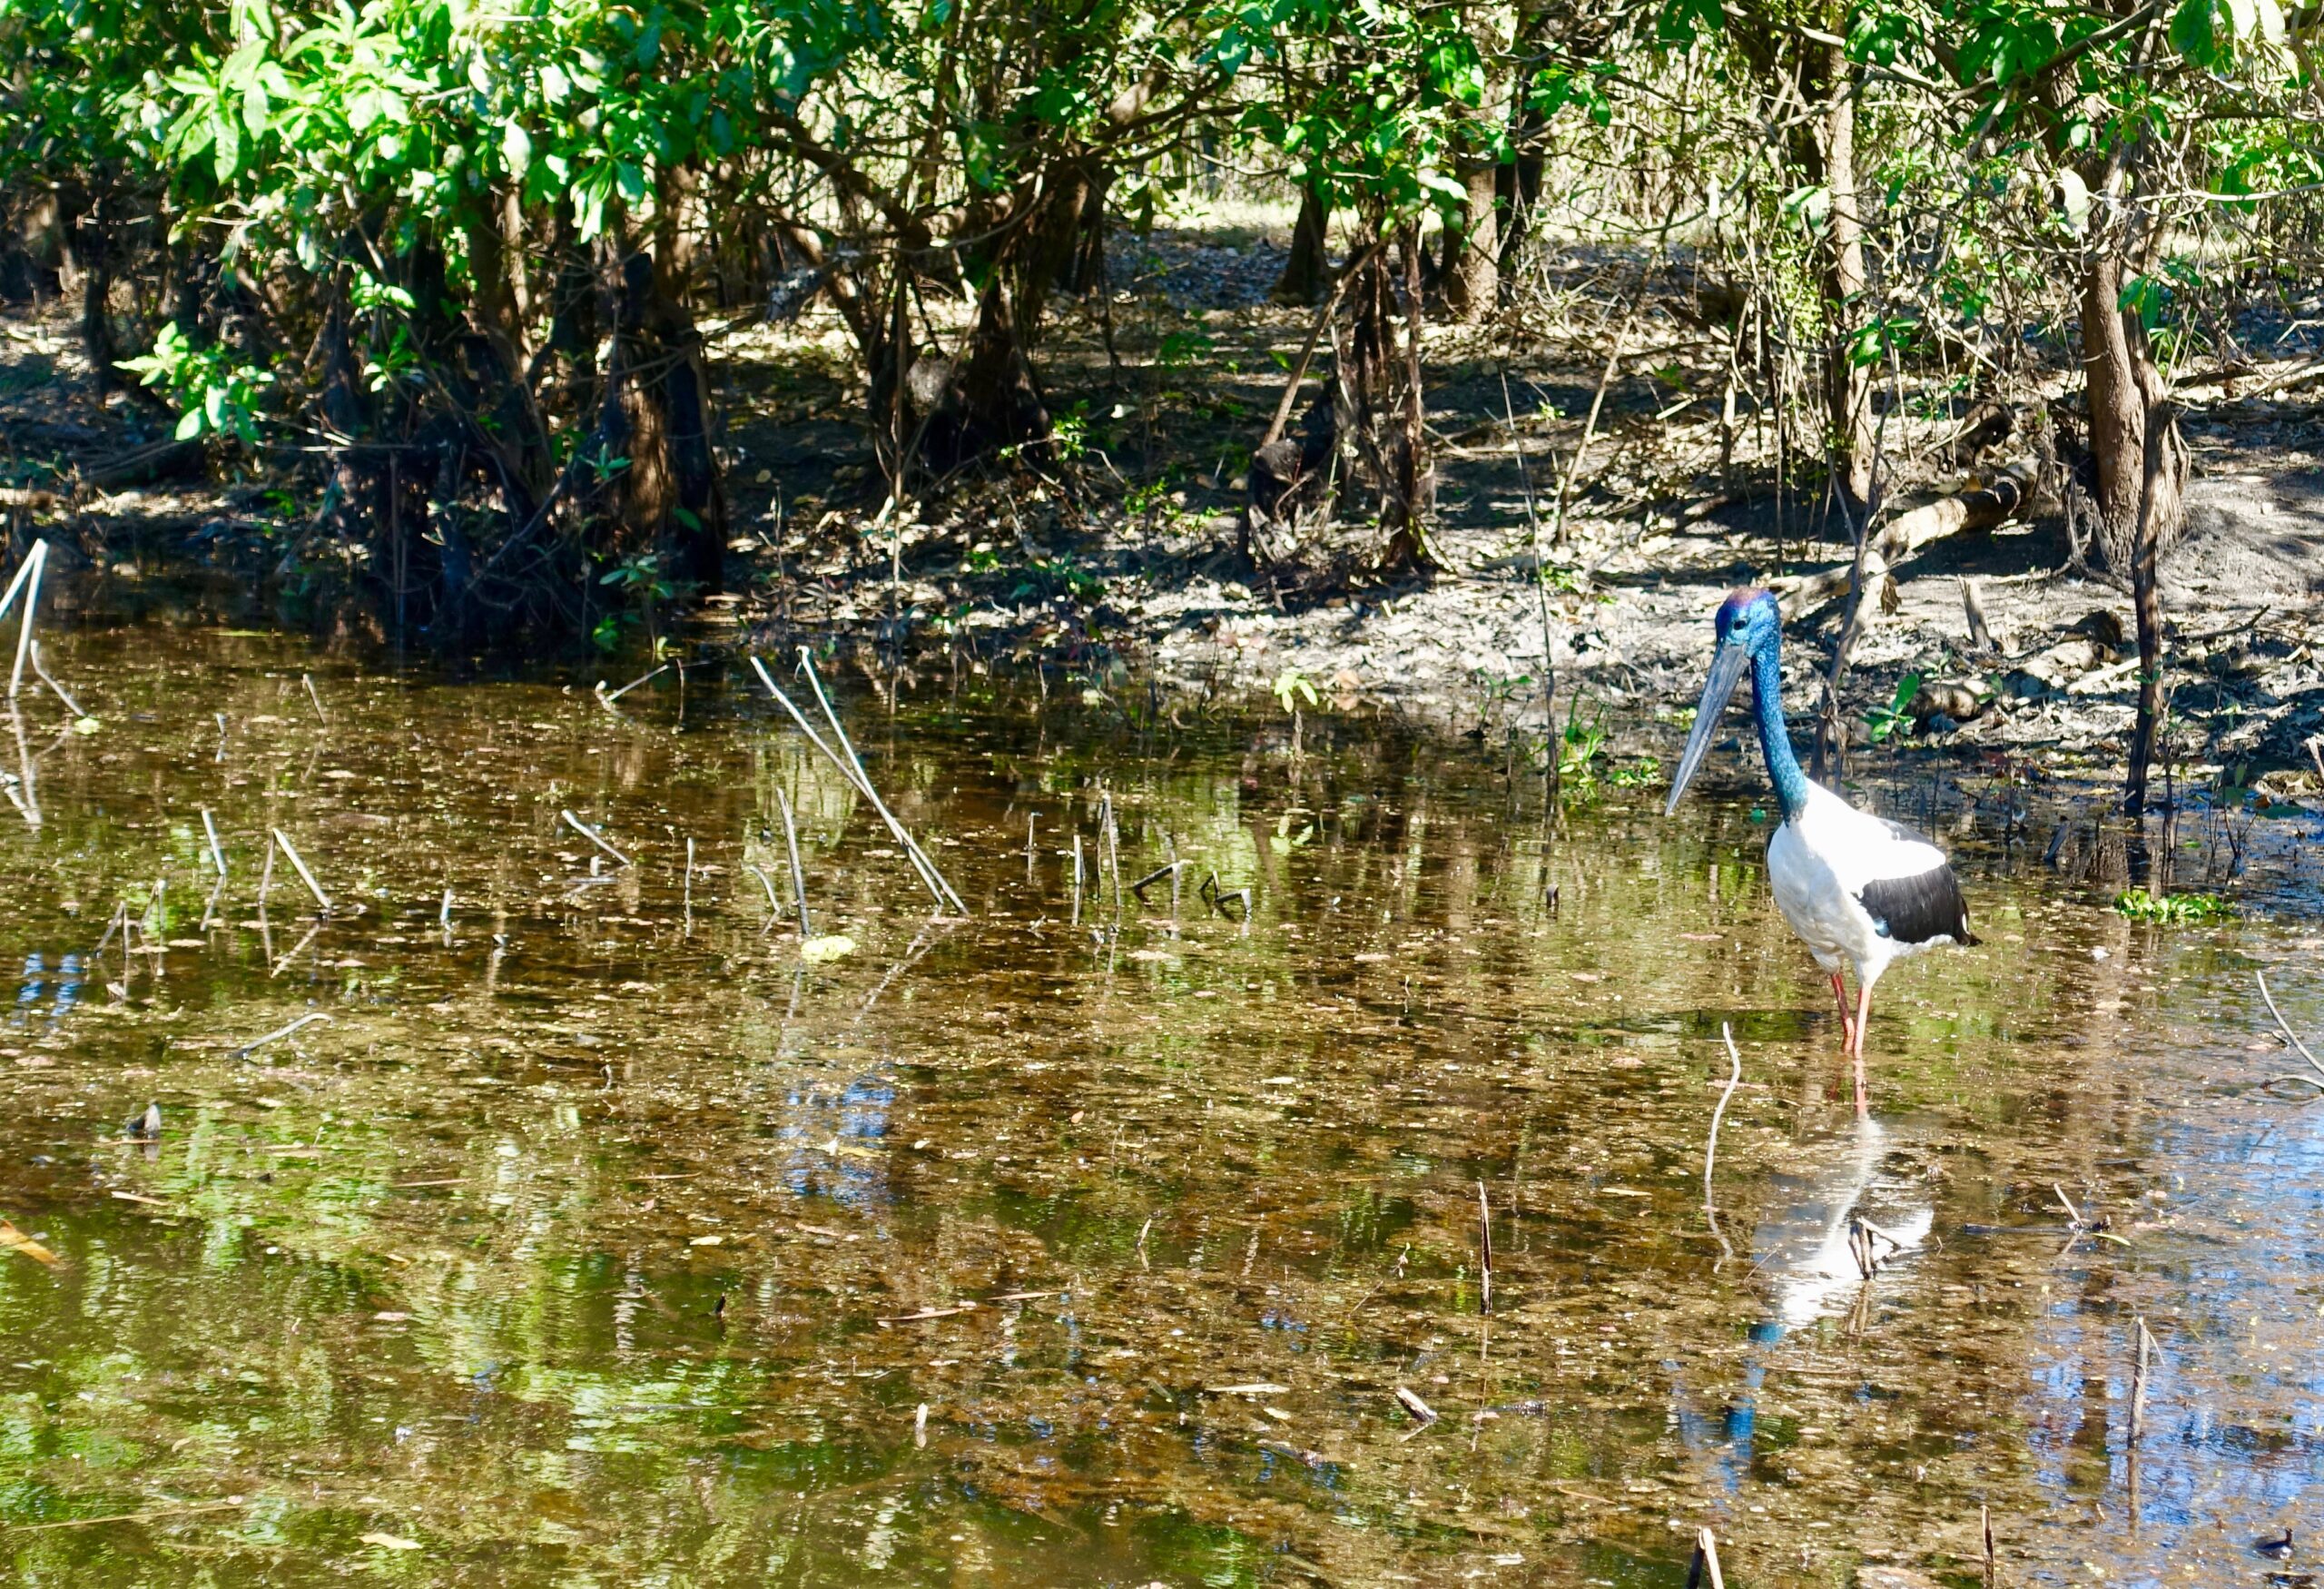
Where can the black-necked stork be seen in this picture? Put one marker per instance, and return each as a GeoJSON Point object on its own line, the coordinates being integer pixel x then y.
{"type": "Point", "coordinates": [1859, 890]}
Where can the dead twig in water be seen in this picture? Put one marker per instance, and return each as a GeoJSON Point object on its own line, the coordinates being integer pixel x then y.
{"type": "Point", "coordinates": [320, 715]}
{"type": "Point", "coordinates": [292, 855]}
{"type": "Point", "coordinates": [49, 679]}
{"type": "Point", "coordinates": [607, 697]}
{"type": "Point", "coordinates": [1710, 1147]}
{"type": "Point", "coordinates": [28, 576]}
{"type": "Point", "coordinates": [2138, 1379]}
{"type": "Point", "coordinates": [1703, 1573]}
{"type": "Point", "coordinates": [277, 1035]}
{"type": "Point", "coordinates": [2290, 1036]}
{"type": "Point", "coordinates": [798, 874]}
{"type": "Point", "coordinates": [850, 767]}
{"type": "Point", "coordinates": [231, 1502]}
{"type": "Point", "coordinates": [1734, 1079]}
{"type": "Point", "coordinates": [586, 832]}
{"type": "Point", "coordinates": [217, 851]}
{"type": "Point", "coordinates": [1484, 1262]}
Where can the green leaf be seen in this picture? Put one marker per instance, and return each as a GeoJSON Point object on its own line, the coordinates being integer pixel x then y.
{"type": "Point", "coordinates": [515, 148]}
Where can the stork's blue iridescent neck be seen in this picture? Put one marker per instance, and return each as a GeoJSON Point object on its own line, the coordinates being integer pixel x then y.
{"type": "Point", "coordinates": [1775, 739]}
{"type": "Point", "coordinates": [1751, 630]}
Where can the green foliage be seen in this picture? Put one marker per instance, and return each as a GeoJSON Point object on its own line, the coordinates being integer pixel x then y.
{"type": "Point", "coordinates": [219, 394]}
{"type": "Point", "coordinates": [1895, 718]}
{"type": "Point", "coordinates": [2171, 910]}
{"type": "Point", "coordinates": [1291, 686]}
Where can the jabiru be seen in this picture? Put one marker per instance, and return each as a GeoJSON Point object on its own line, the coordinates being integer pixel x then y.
{"type": "Point", "coordinates": [1860, 891]}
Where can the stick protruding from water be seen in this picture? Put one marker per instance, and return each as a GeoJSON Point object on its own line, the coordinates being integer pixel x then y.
{"type": "Point", "coordinates": [290, 854]}
{"type": "Point", "coordinates": [27, 580]}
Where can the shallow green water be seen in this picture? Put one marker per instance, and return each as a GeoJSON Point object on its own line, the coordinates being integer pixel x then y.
{"type": "Point", "coordinates": [583, 1243]}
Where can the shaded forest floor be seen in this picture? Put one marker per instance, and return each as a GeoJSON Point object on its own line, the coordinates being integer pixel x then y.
{"type": "Point", "coordinates": [1119, 563]}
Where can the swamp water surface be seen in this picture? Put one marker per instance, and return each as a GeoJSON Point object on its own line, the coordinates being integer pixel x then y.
{"type": "Point", "coordinates": [598, 1240]}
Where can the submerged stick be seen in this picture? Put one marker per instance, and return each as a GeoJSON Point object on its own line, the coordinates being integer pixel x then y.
{"type": "Point", "coordinates": [217, 853]}
{"type": "Point", "coordinates": [798, 874]}
{"type": "Point", "coordinates": [49, 679]}
{"type": "Point", "coordinates": [578, 826]}
{"type": "Point", "coordinates": [863, 782]}
{"type": "Point", "coordinates": [853, 774]}
{"type": "Point", "coordinates": [279, 1033]}
{"type": "Point", "coordinates": [1704, 1571]}
{"type": "Point", "coordinates": [607, 697]}
{"type": "Point", "coordinates": [2138, 1379]}
{"type": "Point", "coordinates": [2290, 1036]}
{"type": "Point", "coordinates": [305, 876]}
{"type": "Point", "coordinates": [1985, 1528]}
{"type": "Point", "coordinates": [1484, 1235]}
{"type": "Point", "coordinates": [28, 575]}
{"type": "Point", "coordinates": [1734, 1079]}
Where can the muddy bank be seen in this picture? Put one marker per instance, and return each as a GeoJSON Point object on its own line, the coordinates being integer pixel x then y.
{"type": "Point", "coordinates": [1119, 561]}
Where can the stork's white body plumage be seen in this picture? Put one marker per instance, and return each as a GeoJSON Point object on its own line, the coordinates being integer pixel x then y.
{"type": "Point", "coordinates": [1820, 864]}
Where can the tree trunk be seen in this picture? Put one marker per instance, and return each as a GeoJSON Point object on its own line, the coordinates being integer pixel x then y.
{"type": "Point", "coordinates": [2137, 498]}
{"type": "Point", "coordinates": [1472, 275]}
{"type": "Point", "coordinates": [660, 418]}
{"type": "Point", "coordinates": [2164, 462]}
{"type": "Point", "coordinates": [1473, 252]}
{"type": "Point", "coordinates": [1846, 384]}
{"type": "Point", "coordinates": [1306, 272]}
{"type": "Point", "coordinates": [1405, 504]}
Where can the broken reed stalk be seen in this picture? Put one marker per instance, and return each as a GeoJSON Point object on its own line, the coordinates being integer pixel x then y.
{"type": "Point", "coordinates": [29, 575]}
{"type": "Point", "coordinates": [1077, 880]}
{"type": "Point", "coordinates": [578, 826]}
{"type": "Point", "coordinates": [1985, 1528]}
{"type": "Point", "coordinates": [210, 906]}
{"type": "Point", "coordinates": [2138, 1379]}
{"type": "Point", "coordinates": [444, 915]}
{"type": "Point", "coordinates": [312, 694]}
{"type": "Point", "coordinates": [689, 881]}
{"type": "Point", "coordinates": [607, 697]}
{"type": "Point", "coordinates": [2285, 1026]}
{"type": "Point", "coordinates": [265, 883]}
{"type": "Point", "coordinates": [773, 903]}
{"type": "Point", "coordinates": [1734, 1079]}
{"type": "Point", "coordinates": [49, 679]}
{"type": "Point", "coordinates": [1484, 1241]}
{"type": "Point", "coordinates": [863, 781]}
{"type": "Point", "coordinates": [852, 771]}
{"type": "Point", "coordinates": [217, 853]}
{"type": "Point", "coordinates": [1028, 844]}
{"type": "Point", "coordinates": [798, 873]}
{"type": "Point", "coordinates": [1703, 1571]}
{"type": "Point", "coordinates": [290, 854]}
{"type": "Point", "coordinates": [1114, 851]}
{"type": "Point", "coordinates": [280, 1033]}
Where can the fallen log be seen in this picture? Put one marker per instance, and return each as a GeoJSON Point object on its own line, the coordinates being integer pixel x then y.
{"type": "Point", "coordinates": [1966, 513]}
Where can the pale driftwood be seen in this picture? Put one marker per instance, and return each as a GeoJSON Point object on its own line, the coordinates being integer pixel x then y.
{"type": "Point", "coordinates": [1910, 532]}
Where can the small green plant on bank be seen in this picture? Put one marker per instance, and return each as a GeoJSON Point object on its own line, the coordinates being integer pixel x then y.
{"type": "Point", "coordinates": [1895, 718]}
{"type": "Point", "coordinates": [2171, 910]}
{"type": "Point", "coordinates": [1579, 747]}
{"type": "Point", "coordinates": [1642, 774]}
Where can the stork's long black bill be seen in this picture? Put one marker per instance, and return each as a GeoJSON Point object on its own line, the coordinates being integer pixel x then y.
{"type": "Point", "coordinates": [1726, 670]}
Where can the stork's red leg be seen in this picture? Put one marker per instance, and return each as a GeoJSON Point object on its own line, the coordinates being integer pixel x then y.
{"type": "Point", "coordinates": [1847, 1026]}
{"type": "Point", "coordinates": [1863, 1024]}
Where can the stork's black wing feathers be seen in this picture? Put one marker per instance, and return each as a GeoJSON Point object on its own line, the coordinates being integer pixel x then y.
{"type": "Point", "coordinates": [1913, 909]}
